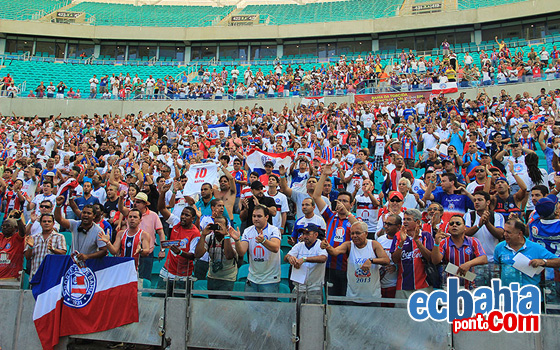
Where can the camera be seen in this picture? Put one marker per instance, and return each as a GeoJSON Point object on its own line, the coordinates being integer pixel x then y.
{"type": "Point", "coordinates": [214, 227]}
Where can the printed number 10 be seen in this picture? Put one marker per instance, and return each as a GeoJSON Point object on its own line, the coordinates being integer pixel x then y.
{"type": "Point", "coordinates": [200, 173]}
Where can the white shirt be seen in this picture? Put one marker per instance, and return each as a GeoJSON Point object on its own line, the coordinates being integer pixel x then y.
{"type": "Point", "coordinates": [264, 265]}
{"type": "Point", "coordinates": [314, 272]}
{"type": "Point", "coordinates": [488, 241]}
{"type": "Point", "coordinates": [281, 202]}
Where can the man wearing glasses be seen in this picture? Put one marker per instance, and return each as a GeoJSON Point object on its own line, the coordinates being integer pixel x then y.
{"type": "Point", "coordinates": [388, 273]}
{"type": "Point", "coordinates": [458, 249]}
{"type": "Point", "coordinates": [34, 225]}
{"type": "Point", "coordinates": [484, 224]}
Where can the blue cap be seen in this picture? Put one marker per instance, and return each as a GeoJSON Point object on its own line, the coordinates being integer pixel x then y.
{"type": "Point", "coordinates": [358, 161]}
{"type": "Point", "coordinates": [502, 179]}
{"type": "Point", "coordinates": [309, 227]}
{"type": "Point", "coordinates": [546, 206]}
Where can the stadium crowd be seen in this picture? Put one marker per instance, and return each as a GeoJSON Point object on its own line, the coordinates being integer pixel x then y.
{"type": "Point", "coordinates": [376, 199]}
{"type": "Point", "coordinates": [408, 72]}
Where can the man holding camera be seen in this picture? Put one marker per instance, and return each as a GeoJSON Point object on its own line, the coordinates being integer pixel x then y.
{"type": "Point", "coordinates": [215, 240]}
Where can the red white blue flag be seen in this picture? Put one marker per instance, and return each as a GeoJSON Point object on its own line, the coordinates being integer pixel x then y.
{"type": "Point", "coordinates": [444, 88]}
{"type": "Point", "coordinates": [67, 186]}
{"type": "Point", "coordinates": [72, 300]}
{"type": "Point", "coordinates": [256, 159]}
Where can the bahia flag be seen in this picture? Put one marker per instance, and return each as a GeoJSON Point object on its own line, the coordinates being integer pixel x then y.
{"type": "Point", "coordinates": [72, 300]}
{"type": "Point", "coordinates": [256, 159]}
{"type": "Point", "coordinates": [444, 88]}
{"type": "Point", "coordinates": [67, 187]}
{"type": "Point", "coordinates": [215, 129]}
{"type": "Point", "coordinates": [312, 101]}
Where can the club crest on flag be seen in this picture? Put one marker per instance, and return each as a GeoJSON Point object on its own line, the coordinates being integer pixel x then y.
{"type": "Point", "coordinates": [266, 158]}
{"type": "Point", "coordinates": [78, 286]}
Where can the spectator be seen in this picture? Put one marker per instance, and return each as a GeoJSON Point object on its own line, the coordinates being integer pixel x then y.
{"type": "Point", "coordinates": [216, 241]}
{"type": "Point", "coordinates": [43, 243]}
{"type": "Point", "coordinates": [411, 249]}
{"type": "Point", "coordinates": [515, 242]}
{"type": "Point", "coordinates": [462, 251]}
{"type": "Point", "coordinates": [338, 227]}
{"type": "Point", "coordinates": [262, 242]}
{"type": "Point", "coordinates": [131, 242]}
{"type": "Point", "coordinates": [12, 241]}
{"type": "Point", "coordinates": [85, 233]}
{"type": "Point", "coordinates": [308, 259]}
{"type": "Point", "coordinates": [364, 259]}
{"type": "Point", "coordinates": [483, 224]}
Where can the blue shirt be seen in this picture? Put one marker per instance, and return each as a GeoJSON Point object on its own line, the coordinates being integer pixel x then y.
{"type": "Point", "coordinates": [81, 202]}
{"type": "Point", "coordinates": [206, 209]}
{"type": "Point", "coordinates": [503, 254]}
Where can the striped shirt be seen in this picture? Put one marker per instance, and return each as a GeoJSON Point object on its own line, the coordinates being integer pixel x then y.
{"type": "Point", "coordinates": [412, 272]}
{"type": "Point", "coordinates": [408, 147]}
{"type": "Point", "coordinates": [327, 153]}
{"type": "Point", "coordinates": [338, 231]}
{"type": "Point", "coordinates": [470, 249]}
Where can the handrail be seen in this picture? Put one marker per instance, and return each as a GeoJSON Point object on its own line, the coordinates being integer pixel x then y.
{"type": "Point", "coordinates": [152, 60]}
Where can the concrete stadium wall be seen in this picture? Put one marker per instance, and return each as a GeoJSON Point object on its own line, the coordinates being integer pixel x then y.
{"type": "Point", "coordinates": [45, 107]}
{"type": "Point", "coordinates": [402, 23]}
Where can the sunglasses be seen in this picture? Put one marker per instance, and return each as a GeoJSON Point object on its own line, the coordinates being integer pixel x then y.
{"type": "Point", "coordinates": [45, 206]}
{"type": "Point", "coordinates": [455, 223]}
{"type": "Point", "coordinates": [479, 171]}
{"type": "Point", "coordinates": [388, 224]}
{"type": "Point", "coordinates": [394, 200]}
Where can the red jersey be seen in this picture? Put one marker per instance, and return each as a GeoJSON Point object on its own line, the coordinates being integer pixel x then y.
{"type": "Point", "coordinates": [11, 256]}
{"type": "Point", "coordinates": [178, 265]}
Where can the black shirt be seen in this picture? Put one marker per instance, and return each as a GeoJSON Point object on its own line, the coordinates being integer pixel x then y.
{"type": "Point", "coordinates": [267, 201]}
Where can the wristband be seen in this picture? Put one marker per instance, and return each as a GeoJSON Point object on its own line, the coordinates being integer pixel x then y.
{"type": "Point", "coordinates": [399, 247]}
{"type": "Point", "coordinates": [304, 259]}
{"type": "Point", "coordinates": [489, 176]}
{"type": "Point", "coordinates": [236, 239]}
{"type": "Point", "coordinates": [264, 240]}
{"type": "Point", "coordinates": [227, 237]}
{"type": "Point", "coordinates": [436, 245]}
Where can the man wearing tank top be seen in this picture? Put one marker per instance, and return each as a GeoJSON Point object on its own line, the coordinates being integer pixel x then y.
{"type": "Point", "coordinates": [131, 242]}
{"type": "Point", "coordinates": [364, 259]}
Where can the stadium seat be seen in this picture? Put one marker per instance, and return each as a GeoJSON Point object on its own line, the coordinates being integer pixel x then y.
{"type": "Point", "coordinates": [242, 272]}
{"type": "Point", "coordinates": [200, 285]}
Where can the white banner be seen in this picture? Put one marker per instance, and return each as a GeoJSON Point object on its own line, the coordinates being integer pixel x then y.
{"type": "Point", "coordinates": [199, 174]}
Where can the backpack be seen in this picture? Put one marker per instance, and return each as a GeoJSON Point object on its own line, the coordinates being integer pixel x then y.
{"type": "Point", "coordinates": [472, 213]}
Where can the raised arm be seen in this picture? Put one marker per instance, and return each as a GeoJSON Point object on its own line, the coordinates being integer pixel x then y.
{"type": "Point", "coordinates": [58, 213]}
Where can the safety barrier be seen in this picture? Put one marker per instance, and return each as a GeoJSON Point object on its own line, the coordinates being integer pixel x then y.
{"type": "Point", "coordinates": [197, 321]}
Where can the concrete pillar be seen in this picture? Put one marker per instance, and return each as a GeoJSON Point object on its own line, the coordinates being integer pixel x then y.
{"type": "Point", "coordinates": [477, 37]}
{"type": "Point", "coordinates": [96, 50]}
{"type": "Point", "coordinates": [279, 50]}
{"type": "Point", "coordinates": [2, 46]}
{"type": "Point", "coordinates": [375, 45]}
{"type": "Point", "coordinates": [187, 54]}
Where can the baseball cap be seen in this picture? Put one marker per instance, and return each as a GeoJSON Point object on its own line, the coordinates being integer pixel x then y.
{"type": "Point", "coordinates": [256, 185]}
{"type": "Point", "coordinates": [309, 227]}
{"type": "Point", "coordinates": [269, 163]}
{"type": "Point", "coordinates": [358, 161]}
{"type": "Point", "coordinates": [433, 149]}
{"type": "Point", "coordinates": [501, 179]}
{"type": "Point", "coordinates": [344, 147]}
{"type": "Point", "coordinates": [546, 206]}
{"type": "Point", "coordinates": [49, 173]}
{"type": "Point", "coordinates": [396, 194]}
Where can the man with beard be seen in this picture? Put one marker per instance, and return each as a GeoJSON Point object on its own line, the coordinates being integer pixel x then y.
{"type": "Point", "coordinates": [248, 204]}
